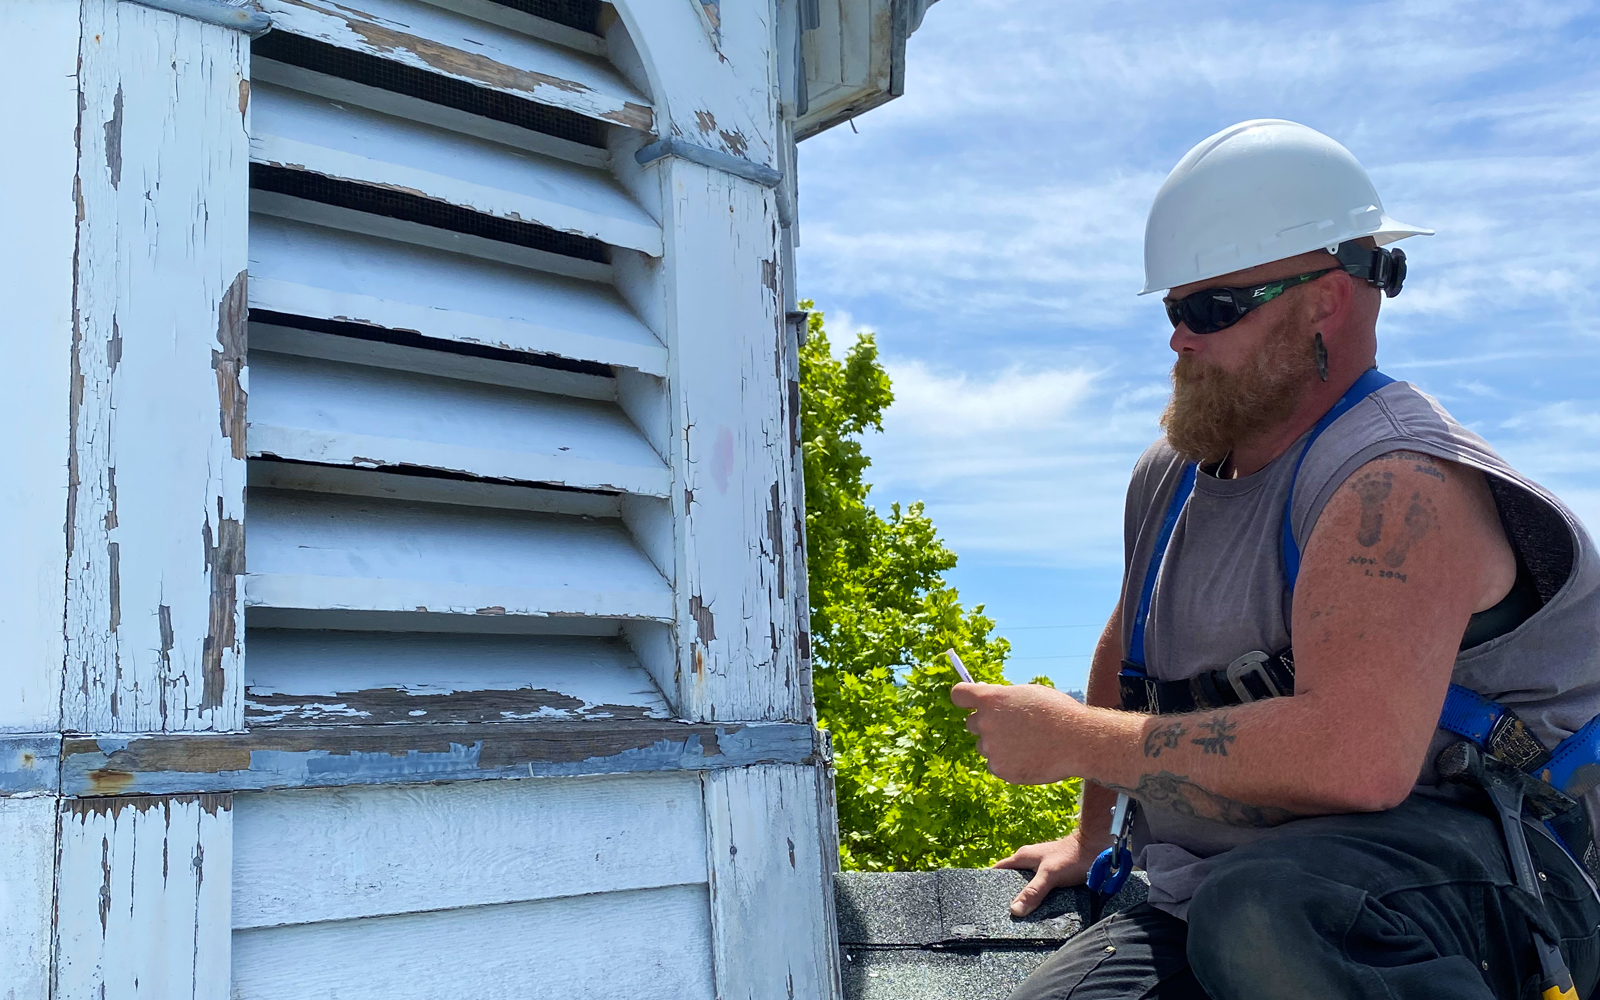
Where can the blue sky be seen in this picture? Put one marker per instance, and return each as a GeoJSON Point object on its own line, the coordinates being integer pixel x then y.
{"type": "Point", "coordinates": [988, 226]}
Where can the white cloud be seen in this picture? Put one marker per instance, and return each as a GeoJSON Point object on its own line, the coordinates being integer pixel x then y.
{"type": "Point", "coordinates": [1025, 466]}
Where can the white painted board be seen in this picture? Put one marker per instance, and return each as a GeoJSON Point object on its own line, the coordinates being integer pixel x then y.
{"type": "Point", "coordinates": [313, 410]}
{"type": "Point", "coordinates": [766, 846]}
{"type": "Point", "coordinates": [144, 897]}
{"type": "Point", "coordinates": [39, 58]}
{"type": "Point", "coordinates": [323, 273]}
{"type": "Point", "coordinates": [326, 551]}
{"type": "Point", "coordinates": [648, 944]}
{"type": "Point", "coordinates": [339, 854]}
{"type": "Point", "coordinates": [738, 624]}
{"type": "Point", "coordinates": [155, 522]}
{"type": "Point", "coordinates": [477, 52]}
{"type": "Point", "coordinates": [302, 131]}
{"type": "Point", "coordinates": [27, 896]}
{"type": "Point", "coordinates": [302, 676]}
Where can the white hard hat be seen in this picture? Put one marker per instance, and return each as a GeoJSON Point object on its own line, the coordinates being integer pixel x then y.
{"type": "Point", "coordinates": [1256, 192]}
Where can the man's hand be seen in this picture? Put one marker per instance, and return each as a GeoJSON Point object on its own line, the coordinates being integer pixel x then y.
{"type": "Point", "coordinates": [1055, 863]}
{"type": "Point", "coordinates": [1024, 729]}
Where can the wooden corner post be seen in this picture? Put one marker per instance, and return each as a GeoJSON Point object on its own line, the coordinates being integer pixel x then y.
{"type": "Point", "coordinates": [125, 210]}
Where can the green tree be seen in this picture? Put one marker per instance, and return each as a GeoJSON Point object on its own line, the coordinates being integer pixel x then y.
{"type": "Point", "coordinates": [913, 792]}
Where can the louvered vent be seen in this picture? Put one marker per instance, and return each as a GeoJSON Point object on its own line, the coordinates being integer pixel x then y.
{"type": "Point", "coordinates": [448, 457]}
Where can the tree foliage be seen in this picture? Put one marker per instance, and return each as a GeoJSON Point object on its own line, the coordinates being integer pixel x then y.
{"type": "Point", "coordinates": [913, 792]}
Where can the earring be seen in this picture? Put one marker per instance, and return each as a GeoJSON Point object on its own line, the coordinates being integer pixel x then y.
{"type": "Point", "coordinates": [1322, 358]}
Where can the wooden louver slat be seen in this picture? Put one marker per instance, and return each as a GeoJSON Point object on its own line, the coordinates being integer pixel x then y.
{"type": "Point", "coordinates": [476, 52]}
{"type": "Point", "coordinates": [322, 551]}
{"type": "Point", "coordinates": [325, 273]}
{"type": "Point", "coordinates": [312, 410]}
{"type": "Point", "coordinates": [300, 131]}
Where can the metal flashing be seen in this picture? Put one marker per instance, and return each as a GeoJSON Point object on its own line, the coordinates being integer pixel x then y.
{"type": "Point", "coordinates": [246, 19]}
{"type": "Point", "coordinates": [715, 159]}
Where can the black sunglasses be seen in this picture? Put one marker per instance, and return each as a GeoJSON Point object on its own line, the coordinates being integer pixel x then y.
{"type": "Point", "coordinates": [1213, 309]}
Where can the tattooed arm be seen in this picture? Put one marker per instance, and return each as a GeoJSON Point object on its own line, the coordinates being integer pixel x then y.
{"type": "Point", "coordinates": [1403, 554]}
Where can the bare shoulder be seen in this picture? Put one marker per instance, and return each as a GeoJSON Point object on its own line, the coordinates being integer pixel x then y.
{"type": "Point", "coordinates": [1406, 512]}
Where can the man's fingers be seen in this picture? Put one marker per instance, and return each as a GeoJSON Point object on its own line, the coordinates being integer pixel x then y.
{"type": "Point", "coordinates": [964, 695]}
{"type": "Point", "coordinates": [1016, 860]}
{"type": "Point", "coordinates": [1033, 893]}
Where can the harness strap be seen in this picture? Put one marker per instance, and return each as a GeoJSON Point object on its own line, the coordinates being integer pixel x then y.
{"type": "Point", "coordinates": [1370, 382]}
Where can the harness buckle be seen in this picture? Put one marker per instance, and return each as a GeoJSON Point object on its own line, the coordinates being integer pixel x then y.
{"type": "Point", "coordinates": [1251, 664]}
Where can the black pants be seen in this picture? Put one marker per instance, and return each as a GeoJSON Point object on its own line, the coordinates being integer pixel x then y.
{"type": "Point", "coordinates": [1410, 903]}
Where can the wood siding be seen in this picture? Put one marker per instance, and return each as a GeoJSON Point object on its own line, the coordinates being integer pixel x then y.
{"type": "Point", "coordinates": [409, 581]}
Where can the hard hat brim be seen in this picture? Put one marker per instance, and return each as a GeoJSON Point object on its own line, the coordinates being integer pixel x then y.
{"type": "Point", "coordinates": [1388, 231]}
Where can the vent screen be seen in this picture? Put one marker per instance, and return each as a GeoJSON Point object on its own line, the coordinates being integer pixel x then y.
{"type": "Point", "coordinates": [398, 78]}
{"type": "Point", "coordinates": [581, 14]}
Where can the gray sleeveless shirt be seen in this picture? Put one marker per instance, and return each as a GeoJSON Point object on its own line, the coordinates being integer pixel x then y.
{"type": "Point", "coordinates": [1221, 592]}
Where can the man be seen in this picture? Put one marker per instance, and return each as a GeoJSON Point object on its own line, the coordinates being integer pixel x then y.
{"type": "Point", "coordinates": [1306, 846]}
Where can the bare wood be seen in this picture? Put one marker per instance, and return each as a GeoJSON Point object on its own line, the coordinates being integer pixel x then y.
{"type": "Point", "coordinates": [144, 897]}
{"type": "Point", "coordinates": [649, 944]}
{"type": "Point", "coordinates": [329, 756]}
{"type": "Point", "coordinates": [403, 106]}
{"type": "Point", "coordinates": [154, 619]}
{"type": "Point", "coordinates": [441, 847]}
{"type": "Point", "coordinates": [299, 677]}
{"type": "Point", "coordinates": [766, 845]}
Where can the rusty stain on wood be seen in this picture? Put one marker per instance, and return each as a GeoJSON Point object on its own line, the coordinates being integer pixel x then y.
{"type": "Point", "coordinates": [230, 361]}
{"type": "Point", "coordinates": [705, 121]}
{"type": "Point", "coordinates": [244, 97]}
{"type": "Point", "coordinates": [735, 141]}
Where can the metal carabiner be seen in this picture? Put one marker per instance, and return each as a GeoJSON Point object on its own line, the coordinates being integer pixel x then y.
{"type": "Point", "coordinates": [1110, 870]}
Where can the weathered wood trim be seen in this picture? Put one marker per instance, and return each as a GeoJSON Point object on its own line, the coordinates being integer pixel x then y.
{"type": "Point", "coordinates": [155, 507]}
{"type": "Point", "coordinates": [476, 52]}
{"type": "Point", "coordinates": [416, 754]}
{"type": "Point", "coordinates": [28, 836]}
{"type": "Point", "coordinates": [143, 898]}
{"type": "Point", "coordinates": [760, 173]}
{"type": "Point", "coordinates": [302, 131]}
{"type": "Point", "coordinates": [246, 19]}
{"type": "Point", "coordinates": [30, 765]}
{"type": "Point", "coordinates": [737, 626]}
{"type": "Point", "coordinates": [764, 844]}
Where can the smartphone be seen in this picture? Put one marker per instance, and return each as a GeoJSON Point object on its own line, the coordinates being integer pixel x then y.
{"type": "Point", "coordinates": [961, 668]}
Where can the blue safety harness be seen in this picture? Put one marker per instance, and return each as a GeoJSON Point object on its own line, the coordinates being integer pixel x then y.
{"type": "Point", "coordinates": [1571, 768]}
